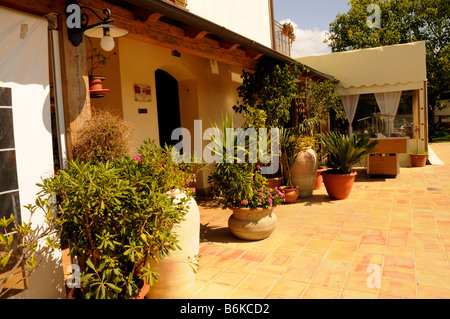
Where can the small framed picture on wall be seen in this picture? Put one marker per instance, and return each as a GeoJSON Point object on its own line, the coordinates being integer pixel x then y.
{"type": "Point", "coordinates": [142, 93]}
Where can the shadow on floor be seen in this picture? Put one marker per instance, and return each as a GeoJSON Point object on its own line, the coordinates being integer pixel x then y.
{"type": "Point", "coordinates": [217, 234]}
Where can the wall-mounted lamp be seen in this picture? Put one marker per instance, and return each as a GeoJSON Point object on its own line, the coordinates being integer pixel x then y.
{"type": "Point", "coordinates": [77, 24]}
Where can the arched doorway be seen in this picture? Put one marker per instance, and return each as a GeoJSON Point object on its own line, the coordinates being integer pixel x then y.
{"type": "Point", "coordinates": [168, 105]}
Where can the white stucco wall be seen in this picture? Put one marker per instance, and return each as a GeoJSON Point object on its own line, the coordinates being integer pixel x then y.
{"type": "Point", "coordinates": [250, 18]}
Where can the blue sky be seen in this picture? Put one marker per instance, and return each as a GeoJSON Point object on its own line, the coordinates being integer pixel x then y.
{"type": "Point", "coordinates": [311, 19]}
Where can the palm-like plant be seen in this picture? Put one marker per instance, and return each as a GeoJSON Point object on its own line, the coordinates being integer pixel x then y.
{"type": "Point", "coordinates": [289, 152]}
{"type": "Point", "coordinates": [346, 151]}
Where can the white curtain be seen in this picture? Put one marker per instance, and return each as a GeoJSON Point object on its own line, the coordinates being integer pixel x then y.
{"type": "Point", "coordinates": [350, 102]}
{"type": "Point", "coordinates": [388, 102]}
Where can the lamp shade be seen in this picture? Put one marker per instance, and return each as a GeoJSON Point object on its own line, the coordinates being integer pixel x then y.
{"type": "Point", "coordinates": [99, 31]}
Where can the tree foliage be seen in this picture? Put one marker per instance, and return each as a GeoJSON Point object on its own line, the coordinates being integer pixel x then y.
{"type": "Point", "coordinates": [271, 88]}
{"type": "Point", "coordinates": [402, 21]}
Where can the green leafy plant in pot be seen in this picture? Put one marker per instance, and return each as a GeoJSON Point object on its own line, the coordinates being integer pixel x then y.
{"type": "Point", "coordinates": [241, 188]}
{"type": "Point", "coordinates": [117, 217]}
{"type": "Point", "coordinates": [345, 152]}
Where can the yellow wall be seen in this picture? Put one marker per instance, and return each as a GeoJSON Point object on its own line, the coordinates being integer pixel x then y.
{"type": "Point", "coordinates": [206, 89]}
{"type": "Point", "coordinates": [112, 101]}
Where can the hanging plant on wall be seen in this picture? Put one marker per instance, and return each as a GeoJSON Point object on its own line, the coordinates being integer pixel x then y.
{"type": "Point", "coordinates": [97, 60]}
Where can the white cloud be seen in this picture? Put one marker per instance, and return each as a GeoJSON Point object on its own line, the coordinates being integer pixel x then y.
{"type": "Point", "coordinates": [307, 41]}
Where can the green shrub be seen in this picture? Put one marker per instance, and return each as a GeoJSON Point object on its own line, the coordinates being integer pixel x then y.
{"type": "Point", "coordinates": [116, 216]}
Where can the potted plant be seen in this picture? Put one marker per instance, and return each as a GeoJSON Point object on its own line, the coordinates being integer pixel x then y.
{"type": "Point", "coordinates": [322, 157]}
{"type": "Point", "coordinates": [177, 174]}
{"type": "Point", "coordinates": [288, 30]}
{"type": "Point", "coordinates": [97, 59]}
{"type": "Point", "coordinates": [344, 153]}
{"type": "Point", "coordinates": [117, 218]}
{"type": "Point", "coordinates": [289, 153]}
{"type": "Point", "coordinates": [419, 157]}
{"type": "Point", "coordinates": [241, 188]}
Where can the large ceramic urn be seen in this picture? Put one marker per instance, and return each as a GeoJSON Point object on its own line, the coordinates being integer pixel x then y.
{"type": "Point", "coordinates": [176, 278]}
{"type": "Point", "coordinates": [304, 172]}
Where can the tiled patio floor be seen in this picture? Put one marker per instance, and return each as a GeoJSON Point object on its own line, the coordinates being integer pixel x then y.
{"type": "Point", "coordinates": [398, 228]}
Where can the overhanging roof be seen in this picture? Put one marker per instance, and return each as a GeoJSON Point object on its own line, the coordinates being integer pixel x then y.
{"type": "Point", "coordinates": [199, 24]}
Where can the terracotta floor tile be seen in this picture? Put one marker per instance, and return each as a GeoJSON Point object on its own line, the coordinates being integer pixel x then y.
{"type": "Point", "coordinates": [344, 255]}
{"type": "Point", "coordinates": [233, 253]}
{"type": "Point", "coordinates": [213, 291]}
{"type": "Point", "coordinates": [268, 270]}
{"type": "Point", "coordinates": [243, 266]}
{"type": "Point", "coordinates": [435, 280]}
{"type": "Point", "coordinates": [398, 273]}
{"type": "Point", "coordinates": [350, 294]}
{"type": "Point", "coordinates": [287, 288]}
{"type": "Point", "coordinates": [359, 283]}
{"type": "Point", "coordinates": [399, 242]}
{"type": "Point", "coordinates": [258, 283]}
{"type": "Point", "coordinates": [299, 274]}
{"type": "Point", "coordinates": [371, 248]}
{"type": "Point", "coordinates": [319, 244]}
{"type": "Point", "coordinates": [398, 261]}
{"type": "Point", "coordinates": [431, 254]}
{"type": "Point", "coordinates": [426, 292]}
{"type": "Point", "coordinates": [342, 245]}
{"type": "Point", "coordinates": [229, 278]}
{"type": "Point", "coordinates": [217, 262]}
{"type": "Point", "coordinates": [368, 258]}
{"type": "Point", "coordinates": [318, 292]}
{"type": "Point", "coordinates": [206, 274]}
{"type": "Point", "coordinates": [277, 259]}
{"type": "Point", "coordinates": [240, 293]}
{"type": "Point", "coordinates": [427, 244]}
{"type": "Point", "coordinates": [313, 252]}
{"type": "Point", "coordinates": [255, 255]}
{"type": "Point", "coordinates": [398, 288]}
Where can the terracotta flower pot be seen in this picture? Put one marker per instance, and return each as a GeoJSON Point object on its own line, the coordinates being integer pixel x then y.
{"type": "Point", "coordinates": [144, 290]}
{"type": "Point", "coordinates": [274, 182]}
{"type": "Point", "coordinates": [95, 83]}
{"type": "Point", "coordinates": [252, 224]}
{"type": "Point", "coordinates": [319, 178]}
{"type": "Point", "coordinates": [290, 194]}
{"type": "Point", "coordinates": [418, 160]}
{"type": "Point", "coordinates": [338, 186]}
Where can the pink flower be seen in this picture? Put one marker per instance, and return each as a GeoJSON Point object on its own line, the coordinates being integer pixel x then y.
{"type": "Point", "coordinates": [195, 180]}
{"type": "Point", "coordinates": [244, 202]}
{"type": "Point", "coordinates": [270, 201]}
{"type": "Point", "coordinates": [137, 159]}
{"type": "Point", "coordinates": [188, 181]}
{"type": "Point", "coordinates": [193, 189]}
{"type": "Point", "coordinates": [257, 166]}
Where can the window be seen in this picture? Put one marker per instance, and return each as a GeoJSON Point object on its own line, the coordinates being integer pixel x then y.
{"type": "Point", "coordinates": [9, 188]}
